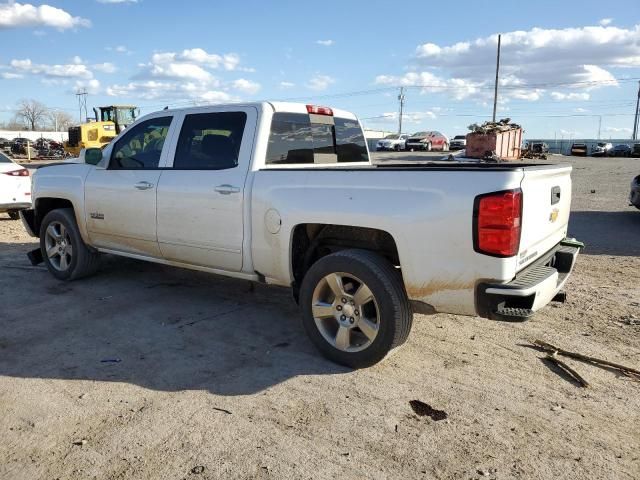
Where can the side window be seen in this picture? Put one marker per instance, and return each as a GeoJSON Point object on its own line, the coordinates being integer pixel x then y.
{"type": "Point", "coordinates": [351, 145]}
{"type": "Point", "coordinates": [210, 141]}
{"type": "Point", "coordinates": [291, 140]}
{"type": "Point", "coordinates": [141, 146]}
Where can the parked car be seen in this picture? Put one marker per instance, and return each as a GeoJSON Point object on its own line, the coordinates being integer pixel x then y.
{"type": "Point", "coordinates": [635, 150]}
{"type": "Point", "coordinates": [579, 149]}
{"type": "Point", "coordinates": [15, 187]}
{"type": "Point", "coordinates": [5, 144]}
{"type": "Point", "coordinates": [621, 150]}
{"type": "Point", "coordinates": [392, 142]}
{"type": "Point", "coordinates": [358, 271]}
{"type": "Point", "coordinates": [634, 196]}
{"type": "Point", "coordinates": [601, 149]}
{"type": "Point", "coordinates": [458, 142]}
{"type": "Point", "coordinates": [427, 141]}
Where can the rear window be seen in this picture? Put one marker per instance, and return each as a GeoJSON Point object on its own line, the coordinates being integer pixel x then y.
{"type": "Point", "coordinates": [295, 139]}
{"type": "Point", "coordinates": [4, 159]}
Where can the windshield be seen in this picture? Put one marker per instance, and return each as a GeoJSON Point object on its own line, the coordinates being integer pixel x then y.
{"type": "Point", "coordinates": [391, 137]}
{"type": "Point", "coordinates": [459, 137]}
{"type": "Point", "coordinates": [421, 134]}
{"type": "Point", "coordinates": [126, 116]}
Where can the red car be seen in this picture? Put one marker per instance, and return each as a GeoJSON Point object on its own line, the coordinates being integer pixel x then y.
{"type": "Point", "coordinates": [427, 141]}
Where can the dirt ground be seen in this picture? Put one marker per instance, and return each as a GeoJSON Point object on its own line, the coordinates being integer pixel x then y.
{"type": "Point", "coordinates": [147, 372]}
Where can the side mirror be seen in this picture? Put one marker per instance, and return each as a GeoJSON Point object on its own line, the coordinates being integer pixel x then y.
{"type": "Point", "coordinates": [92, 156]}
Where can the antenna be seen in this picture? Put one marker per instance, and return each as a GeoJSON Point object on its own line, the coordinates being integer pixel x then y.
{"type": "Point", "coordinates": [82, 103]}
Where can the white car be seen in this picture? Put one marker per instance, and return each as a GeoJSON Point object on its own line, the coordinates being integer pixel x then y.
{"type": "Point", "coordinates": [15, 187]}
{"type": "Point", "coordinates": [285, 194]}
{"type": "Point", "coordinates": [392, 142]}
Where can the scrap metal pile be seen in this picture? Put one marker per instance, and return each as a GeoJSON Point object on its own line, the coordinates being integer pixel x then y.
{"type": "Point", "coordinates": [503, 125]}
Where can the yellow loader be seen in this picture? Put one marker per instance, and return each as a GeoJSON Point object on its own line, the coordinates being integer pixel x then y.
{"type": "Point", "coordinates": [109, 122]}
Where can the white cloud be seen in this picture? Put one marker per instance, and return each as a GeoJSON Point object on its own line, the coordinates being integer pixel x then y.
{"type": "Point", "coordinates": [532, 61]}
{"type": "Point", "coordinates": [325, 43]}
{"type": "Point", "coordinates": [246, 86]}
{"type": "Point", "coordinates": [320, 82]}
{"type": "Point", "coordinates": [91, 86]}
{"type": "Point", "coordinates": [70, 70]}
{"type": "Point", "coordinates": [570, 96]}
{"type": "Point", "coordinates": [119, 49]}
{"type": "Point", "coordinates": [605, 21]}
{"type": "Point", "coordinates": [617, 130]}
{"type": "Point", "coordinates": [287, 85]}
{"type": "Point", "coordinates": [187, 76]}
{"type": "Point", "coordinates": [11, 75]}
{"type": "Point", "coordinates": [580, 110]}
{"type": "Point", "coordinates": [15, 14]}
{"type": "Point", "coordinates": [105, 67]}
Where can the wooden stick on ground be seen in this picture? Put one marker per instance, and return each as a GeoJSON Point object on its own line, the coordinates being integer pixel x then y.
{"type": "Point", "coordinates": [547, 347]}
{"type": "Point", "coordinates": [551, 357]}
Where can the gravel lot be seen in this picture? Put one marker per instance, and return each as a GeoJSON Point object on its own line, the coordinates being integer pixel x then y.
{"type": "Point", "coordinates": [145, 371]}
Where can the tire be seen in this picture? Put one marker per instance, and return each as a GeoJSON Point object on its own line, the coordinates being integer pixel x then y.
{"type": "Point", "coordinates": [427, 147]}
{"type": "Point", "coordinates": [14, 214]}
{"type": "Point", "coordinates": [386, 314]}
{"type": "Point", "coordinates": [445, 147]}
{"type": "Point", "coordinates": [79, 261]}
{"type": "Point", "coordinates": [397, 148]}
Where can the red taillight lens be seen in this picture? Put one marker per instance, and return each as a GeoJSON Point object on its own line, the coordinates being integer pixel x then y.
{"type": "Point", "coordinates": [23, 172]}
{"type": "Point", "coordinates": [497, 223]}
{"type": "Point", "coordinates": [319, 110]}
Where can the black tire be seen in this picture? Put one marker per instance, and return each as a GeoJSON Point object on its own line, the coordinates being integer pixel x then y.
{"type": "Point", "coordinates": [386, 285]}
{"type": "Point", "coordinates": [397, 148]}
{"type": "Point", "coordinates": [84, 260]}
{"type": "Point", "coordinates": [14, 214]}
{"type": "Point", "coordinates": [427, 147]}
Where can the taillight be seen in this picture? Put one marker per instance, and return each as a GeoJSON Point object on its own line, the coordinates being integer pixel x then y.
{"type": "Point", "coordinates": [23, 172]}
{"type": "Point", "coordinates": [319, 110]}
{"type": "Point", "coordinates": [497, 223]}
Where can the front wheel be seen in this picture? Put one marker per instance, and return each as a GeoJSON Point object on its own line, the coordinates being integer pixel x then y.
{"type": "Point", "coordinates": [354, 307]}
{"type": "Point", "coordinates": [427, 147]}
{"type": "Point", "coordinates": [14, 214]}
{"type": "Point", "coordinates": [445, 147]}
{"type": "Point", "coordinates": [65, 254]}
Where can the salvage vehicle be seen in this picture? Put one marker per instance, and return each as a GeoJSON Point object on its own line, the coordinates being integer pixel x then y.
{"type": "Point", "coordinates": [285, 194]}
{"type": "Point", "coordinates": [602, 149]}
{"type": "Point", "coordinates": [15, 187]}
{"type": "Point", "coordinates": [579, 150]}
{"type": "Point", "coordinates": [621, 150]}
{"type": "Point", "coordinates": [392, 142]}
{"type": "Point", "coordinates": [634, 196]}
{"type": "Point", "coordinates": [458, 142]}
{"type": "Point", "coordinates": [427, 141]}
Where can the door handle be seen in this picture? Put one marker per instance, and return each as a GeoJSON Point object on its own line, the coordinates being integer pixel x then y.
{"type": "Point", "coordinates": [143, 185]}
{"type": "Point", "coordinates": [226, 189]}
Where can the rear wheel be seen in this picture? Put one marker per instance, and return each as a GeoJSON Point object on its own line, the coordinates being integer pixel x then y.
{"type": "Point", "coordinates": [397, 148]}
{"type": "Point", "coordinates": [354, 307]}
{"type": "Point", "coordinates": [445, 147]}
{"type": "Point", "coordinates": [65, 254]}
{"type": "Point", "coordinates": [14, 214]}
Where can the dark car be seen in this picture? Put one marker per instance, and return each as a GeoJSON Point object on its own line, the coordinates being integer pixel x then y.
{"type": "Point", "coordinates": [5, 143]}
{"type": "Point", "coordinates": [458, 142]}
{"type": "Point", "coordinates": [635, 150]}
{"type": "Point", "coordinates": [634, 196]}
{"type": "Point", "coordinates": [427, 141]}
{"type": "Point", "coordinates": [579, 149]}
{"type": "Point", "coordinates": [622, 150]}
{"type": "Point", "coordinates": [538, 147]}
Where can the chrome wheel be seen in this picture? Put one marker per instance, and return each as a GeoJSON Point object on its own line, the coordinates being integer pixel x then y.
{"type": "Point", "coordinates": [345, 312]}
{"type": "Point", "coordinates": [58, 246]}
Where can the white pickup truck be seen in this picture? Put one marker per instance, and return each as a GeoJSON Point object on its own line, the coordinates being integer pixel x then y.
{"type": "Point", "coordinates": [286, 194]}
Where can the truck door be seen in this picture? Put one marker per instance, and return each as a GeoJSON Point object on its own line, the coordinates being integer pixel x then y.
{"type": "Point", "coordinates": [201, 193]}
{"type": "Point", "coordinates": [120, 199]}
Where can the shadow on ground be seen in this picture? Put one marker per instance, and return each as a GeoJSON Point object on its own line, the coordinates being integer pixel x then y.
{"type": "Point", "coordinates": [607, 233]}
{"type": "Point", "coordinates": [158, 327]}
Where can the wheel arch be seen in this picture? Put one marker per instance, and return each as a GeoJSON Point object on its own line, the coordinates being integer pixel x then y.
{"type": "Point", "coordinates": [43, 205]}
{"type": "Point", "coordinates": [312, 241]}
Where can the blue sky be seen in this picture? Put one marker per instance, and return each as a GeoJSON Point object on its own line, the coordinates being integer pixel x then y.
{"type": "Point", "coordinates": [567, 66]}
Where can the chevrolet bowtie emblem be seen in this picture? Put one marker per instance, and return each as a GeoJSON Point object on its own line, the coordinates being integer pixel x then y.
{"type": "Point", "coordinates": [553, 216]}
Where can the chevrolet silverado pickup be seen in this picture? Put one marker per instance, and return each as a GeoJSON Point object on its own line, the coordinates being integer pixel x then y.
{"type": "Point", "coordinates": [286, 194]}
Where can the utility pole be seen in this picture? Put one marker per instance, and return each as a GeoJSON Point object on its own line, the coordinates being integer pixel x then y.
{"type": "Point", "coordinates": [82, 103]}
{"type": "Point", "coordinates": [599, 125]}
{"type": "Point", "coordinates": [635, 121]}
{"type": "Point", "coordinates": [495, 92]}
{"type": "Point", "coordinates": [401, 99]}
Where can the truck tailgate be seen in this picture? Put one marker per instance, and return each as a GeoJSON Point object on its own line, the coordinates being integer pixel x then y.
{"type": "Point", "coordinates": [546, 198]}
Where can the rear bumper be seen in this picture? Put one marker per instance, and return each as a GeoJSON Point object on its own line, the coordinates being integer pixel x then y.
{"type": "Point", "coordinates": [532, 288]}
{"type": "Point", "coordinates": [5, 207]}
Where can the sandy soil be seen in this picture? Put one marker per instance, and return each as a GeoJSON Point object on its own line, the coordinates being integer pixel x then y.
{"type": "Point", "coordinates": [145, 372]}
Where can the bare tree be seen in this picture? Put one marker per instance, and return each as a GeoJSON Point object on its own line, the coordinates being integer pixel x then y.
{"type": "Point", "coordinates": [60, 120]}
{"type": "Point", "coordinates": [32, 112]}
